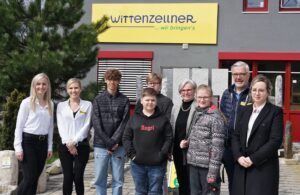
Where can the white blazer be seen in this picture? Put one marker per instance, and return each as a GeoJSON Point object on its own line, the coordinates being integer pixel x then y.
{"type": "Point", "coordinates": [70, 128]}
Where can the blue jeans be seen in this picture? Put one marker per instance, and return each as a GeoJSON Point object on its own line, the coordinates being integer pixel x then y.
{"type": "Point", "coordinates": [148, 180]}
{"type": "Point", "coordinates": [102, 160]}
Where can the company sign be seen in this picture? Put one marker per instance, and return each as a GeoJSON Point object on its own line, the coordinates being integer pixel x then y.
{"type": "Point", "coordinates": [194, 23]}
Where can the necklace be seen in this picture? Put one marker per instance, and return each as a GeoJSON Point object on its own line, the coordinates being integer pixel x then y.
{"type": "Point", "coordinates": [185, 110]}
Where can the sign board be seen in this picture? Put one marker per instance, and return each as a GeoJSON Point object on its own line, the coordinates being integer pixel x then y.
{"type": "Point", "coordinates": [6, 163]}
{"type": "Point", "coordinates": [193, 23]}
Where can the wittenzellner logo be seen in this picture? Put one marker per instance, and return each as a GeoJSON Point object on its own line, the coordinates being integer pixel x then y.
{"type": "Point", "coordinates": [182, 22]}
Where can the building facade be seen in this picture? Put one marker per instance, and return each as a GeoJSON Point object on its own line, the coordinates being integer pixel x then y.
{"type": "Point", "coordinates": [263, 33]}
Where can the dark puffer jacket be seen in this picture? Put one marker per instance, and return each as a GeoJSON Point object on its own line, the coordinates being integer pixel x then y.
{"type": "Point", "coordinates": [229, 106]}
{"type": "Point", "coordinates": [109, 118]}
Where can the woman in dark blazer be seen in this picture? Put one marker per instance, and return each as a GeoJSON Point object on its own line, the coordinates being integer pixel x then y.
{"type": "Point", "coordinates": [257, 138]}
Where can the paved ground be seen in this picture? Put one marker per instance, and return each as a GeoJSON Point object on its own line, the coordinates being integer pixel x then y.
{"type": "Point", "coordinates": [289, 182]}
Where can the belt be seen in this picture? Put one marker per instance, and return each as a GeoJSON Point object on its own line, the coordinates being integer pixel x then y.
{"type": "Point", "coordinates": [36, 137]}
{"type": "Point", "coordinates": [84, 142]}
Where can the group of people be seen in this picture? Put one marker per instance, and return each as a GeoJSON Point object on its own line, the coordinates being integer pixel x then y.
{"type": "Point", "coordinates": [244, 135]}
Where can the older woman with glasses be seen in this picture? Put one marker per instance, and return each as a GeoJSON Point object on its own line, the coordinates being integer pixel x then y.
{"type": "Point", "coordinates": [181, 118]}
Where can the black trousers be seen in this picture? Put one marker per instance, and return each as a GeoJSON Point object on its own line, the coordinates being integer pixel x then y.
{"type": "Point", "coordinates": [228, 162]}
{"type": "Point", "coordinates": [182, 172]}
{"type": "Point", "coordinates": [73, 167]}
{"type": "Point", "coordinates": [35, 150]}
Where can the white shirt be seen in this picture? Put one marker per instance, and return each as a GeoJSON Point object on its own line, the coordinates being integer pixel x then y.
{"type": "Point", "coordinates": [39, 122]}
{"type": "Point", "coordinates": [70, 128]}
{"type": "Point", "coordinates": [252, 119]}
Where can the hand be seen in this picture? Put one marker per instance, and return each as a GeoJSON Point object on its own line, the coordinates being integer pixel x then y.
{"type": "Point", "coordinates": [69, 145]}
{"type": "Point", "coordinates": [244, 162]}
{"type": "Point", "coordinates": [170, 157]}
{"type": "Point", "coordinates": [73, 151]}
{"type": "Point", "coordinates": [249, 161]}
{"type": "Point", "coordinates": [184, 144]}
{"type": "Point", "coordinates": [72, 148]}
{"type": "Point", "coordinates": [49, 154]}
{"type": "Point", "coordinates": [109, 152]}
{"type": "Point", "coordinates": [211, 180]}
{"type": "Point", "coordinates": [20, 155]}
{"type": "Point", "coordinates": [114, 147]}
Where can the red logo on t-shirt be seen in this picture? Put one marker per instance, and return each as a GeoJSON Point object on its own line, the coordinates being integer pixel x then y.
{"type": "Point", "coordinates": [147, 128]}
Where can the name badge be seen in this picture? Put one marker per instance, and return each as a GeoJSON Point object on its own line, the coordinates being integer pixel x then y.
{"type": "Point", "coordinates": [246, 103]}
{"type": "Point", "coordinates": [243, 103]}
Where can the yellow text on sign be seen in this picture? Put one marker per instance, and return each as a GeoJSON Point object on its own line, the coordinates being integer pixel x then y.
{"type": "Point", "coordinates": [194, 23]}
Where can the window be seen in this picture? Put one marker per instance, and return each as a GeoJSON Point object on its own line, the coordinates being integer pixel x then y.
{"type": "Point", "coordinates": [131, 64]}
{"type": "Point", "coordinates": [255, 5]}
{"type": "Point", "coordinates": [295, 86]}
{"type": "Point", "coordinates": [289, 5]}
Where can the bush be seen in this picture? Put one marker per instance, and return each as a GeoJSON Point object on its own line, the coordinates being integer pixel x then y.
{"type": "Point", "coordinates": [9, 114]}
{"type": "Point", "coordinates": [91, 91]}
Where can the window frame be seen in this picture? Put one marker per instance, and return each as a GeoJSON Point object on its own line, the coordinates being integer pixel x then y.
{"type": "Point", "coordinates": [129, 63]}
{"type": "Point", "coordinates": [287, 9]}
{"type": "Point", "coordinates": [265, 8]}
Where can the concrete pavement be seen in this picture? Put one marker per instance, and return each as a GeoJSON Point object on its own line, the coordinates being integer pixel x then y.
{"type": "Point", "coordinates": [289, 181]}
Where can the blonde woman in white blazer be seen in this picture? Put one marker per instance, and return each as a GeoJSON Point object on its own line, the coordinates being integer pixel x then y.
{"type": "Point", "coordinates": [73, 121]}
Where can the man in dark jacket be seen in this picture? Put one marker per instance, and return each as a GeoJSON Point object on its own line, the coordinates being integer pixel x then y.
{"type": "Point", "coordinates": [147, 140]}
{"type": "Point", "coordinates": [233, 97]}
{"type": "Point", "coordinates": [109, 118]}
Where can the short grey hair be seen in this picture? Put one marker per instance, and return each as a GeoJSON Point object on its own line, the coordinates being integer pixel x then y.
{"type": "Point", "coordinates": [241, 64]}
{"type": "Point", "coordinates": [186, 81]}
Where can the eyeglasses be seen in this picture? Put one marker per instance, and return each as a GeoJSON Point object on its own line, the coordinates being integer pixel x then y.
{"type": "Point", "coordinates": [239, 74]}
{"type": "Point", "coordinates": [186, 90]}
{"type": "Point", "coordinates": [203, 97]}
{"type": "Point", "coordinates": [153, 83]}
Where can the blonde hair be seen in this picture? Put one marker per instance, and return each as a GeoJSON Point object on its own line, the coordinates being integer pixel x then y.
{"type": "Point", "coordinates": [205, 87]}
{"type": "Point", "coordinates": [47, 96]}
{"type": "Point", "coordinates": [153, 77]}
{"type": "Point", "coordinates": [264, 79]}
{"type": "Point", "coordinates": [73, 80]}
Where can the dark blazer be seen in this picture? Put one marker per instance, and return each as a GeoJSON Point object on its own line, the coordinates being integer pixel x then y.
{"type": "Point", "coordinates": [262, 178]}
